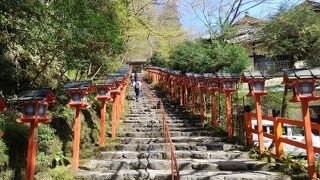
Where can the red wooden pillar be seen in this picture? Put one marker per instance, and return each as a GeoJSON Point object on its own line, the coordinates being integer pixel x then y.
{"type": "Point", "coordinates": [229, 115]}
{"type": "Point", "coordinates": [114, 114]}
{"type": "Point", "coordinates": [308, 139]}
{"type": "Point", "coordinates": [193, 98]}
{"type": "Point", "coordinates": [186, 97]}
{"type": "Point", "coordinates": [181, 94]}
{"type": "Point", "coordinates": [32, 150]}
{"type": "Point", "coordinates": [259, 123]}
{"type": "Point", "coordinates": [202, 110]}
{"type": "Point", "coordinates": [76, 140]}
{"type": "Point", "coordinates": [249, 134]}
{"type": "Point", "coordinates": [102, 124]}
{"type": "Point", "coordinates": [214, 122]}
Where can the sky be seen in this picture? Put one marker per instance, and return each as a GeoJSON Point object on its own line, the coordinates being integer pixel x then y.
{"type": "Point", "coordinates": [191, 16]}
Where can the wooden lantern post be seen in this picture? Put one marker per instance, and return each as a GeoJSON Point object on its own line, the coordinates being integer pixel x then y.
{"type": "Point", "coordinates": [186, 95]}
{"type": "Point", "coordinates": [35, 106]}
{"type": "Point", "coordinates": [116, 94]}
{"type": "Point", "coordinates": [202, 85]}
{"type": "Point", "coordinates": [193, 85]}
{"type": "Point", "coordinates": [78, 91]}
{"type": "Point", "coordinates": [103, 95]}
{"type": "Point", "coordinates": [212, 88]}
{"type": "Point", "coordinates": [256, 82]}
{"type": "Point", "coordinates": [228, 86]}
{"type": "Point", "coordinates": [303, 83]}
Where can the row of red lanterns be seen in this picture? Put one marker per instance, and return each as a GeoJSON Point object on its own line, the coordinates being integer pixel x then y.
{"type": "Point", "coordinates": [35, 106]}
{"type": "Point", "coordinates": [302, 83]}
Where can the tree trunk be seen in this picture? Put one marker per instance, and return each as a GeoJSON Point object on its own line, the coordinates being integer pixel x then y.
{"type": "Point", "coordinates": [284, 106]}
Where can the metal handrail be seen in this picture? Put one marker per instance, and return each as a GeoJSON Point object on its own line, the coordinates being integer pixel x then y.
{"type": "Point", "coordinates": [166, 132]}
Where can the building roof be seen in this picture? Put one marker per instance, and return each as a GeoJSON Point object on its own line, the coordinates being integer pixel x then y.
{"type": "Point", "coordinates": [247, 21]}
{"type": "Point", "coordinates": [314, 4]}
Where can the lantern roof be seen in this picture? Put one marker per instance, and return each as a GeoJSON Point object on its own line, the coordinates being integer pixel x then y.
{"type": "Point", "coordinates": [37, 95]}
{"type": "Point", "coordinates": [209, 75]}
{"type": "Point", "coordinates": [223, 75]}
{"type": "Point", "coordinates": [189, 74]}
{"type": "Point", "coordinates": [300, 74]}
{"type": "Point", "coordinates": [100, 82]}
{"type": "Point", "coordinates": [197, 75]}
{"type": "Point", "coordinates": [253, 75]}
{"type": "Point", "coordinates": [81, 85]}
{"type": "Point", "coordinates": [115, 77]}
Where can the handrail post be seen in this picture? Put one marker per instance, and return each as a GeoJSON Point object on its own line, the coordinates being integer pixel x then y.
{"type": "Point", "coordinates": [229, 115]}
{"type": "Point", "coordinates": [214, 122]}
{"type": "Point", "coordinates": [181, 94]}
{"type": "Point", "coordinates": [193, 97]}
{"type": "Point", "coordinates": [202, 111]}
{"type": "Point", "coordinates": [259, 123]}
{"type": "Point", "coordinates": [249, 134]}
{"type": "Point", "coordinates": [186, 98]}
{"type": "Point", "coordinates": [277, 134]}
{"type": "Point", "coordinates": [308, 139]}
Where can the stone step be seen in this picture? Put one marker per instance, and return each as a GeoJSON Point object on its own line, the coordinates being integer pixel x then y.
{"type": "Point", "coordinates": [178, 146]}
{"type": "Point", "coordinates": [184, 175]}
{"type": "Point", "coordinates": [183, 164]}
{"type": "Point", "coordinates": [108, 155]}
{"type": "Point", "coordinates": [159, 124]}
{"type": "Point", "coordinates": [159, 129]}
{"type": "Point", "coordinates": [160, 134]}
{"type": "Point", "coordinates": [133, 140]}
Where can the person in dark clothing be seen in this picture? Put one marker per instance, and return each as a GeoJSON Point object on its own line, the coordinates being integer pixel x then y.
{"type": "Point", "coordinates": [136, 85]}
{"type": "Point", "coordinates": [135, 76]}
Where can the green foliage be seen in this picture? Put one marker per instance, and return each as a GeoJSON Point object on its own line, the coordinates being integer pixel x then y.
{"type": "Point", "coordinates": [45, 136]}
{"type": "Point", "coordinates": [41, 44]}
{"type": "Point", "coordinates": [296, 34]}
{"type": "Point", "coordinates": [58, 173]}
{"type": "Point", "coordinates": [4, 158]}
{"type": "Point", "coordinates": [158, 60]}
{"type": "Point", "coordinates": [199, 56]}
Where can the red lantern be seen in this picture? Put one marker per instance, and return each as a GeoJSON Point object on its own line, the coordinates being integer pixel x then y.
{"type": "Point", "coordinates": [302, 82]}
{"type": "Point", "coordinates": [35, 105]}
{"type": "Point", "coordinates": [256, 82]}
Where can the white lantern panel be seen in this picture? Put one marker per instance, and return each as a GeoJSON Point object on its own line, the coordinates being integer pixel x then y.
{"type": "Point", "coordinates": [29, 110]}
{"type": "Point", "coordinates": [306, 88]}
{"type": "Point", "coordinates": [76, 97]}
{"type": "Point", "coordinates": [228, 85]}
{"type": "Point", "coordinates": [42, 110]}
{"type": "Point", "coordinates": [258, 86]}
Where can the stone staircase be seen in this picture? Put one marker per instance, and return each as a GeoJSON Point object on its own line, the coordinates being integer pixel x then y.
{"type": "Point", "coordinates": [200, 153]}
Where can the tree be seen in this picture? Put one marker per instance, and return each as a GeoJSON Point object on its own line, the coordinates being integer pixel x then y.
{"type": "Point", "coordinates": [296, 34]}
{"type": "Point", "coordinates": [154, 26]}
{"type": "Point", "coordinates": [219, 16]}
{"type": "Point", "coordinates": [200, 57]}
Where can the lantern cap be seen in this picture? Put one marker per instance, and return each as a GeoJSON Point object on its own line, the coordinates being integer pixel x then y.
{"type": "Point", "coordinates": [209, 75]}
{"type": "Point", "coordinates": [100, 82]}
{"type": "Point", "coordinates": [189, 74]}
{"type": "Point", "coordinates": [44, 94]}
{"type": "Point", "coordinates": [197, 75]}
{"type": "Point", "coordinates": [78, 85]}
{"type": "Point", "coordinates": [223, 75]}
{"type": "Point", "coordinates": [300, 74]}
{"type": "Point", "coordinates": [254, 75]}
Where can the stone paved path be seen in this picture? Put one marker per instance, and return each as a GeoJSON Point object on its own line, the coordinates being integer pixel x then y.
{"type": "Point", "coordinates": [200, 154]}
